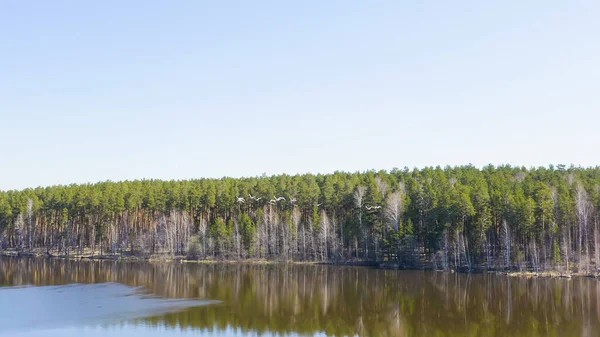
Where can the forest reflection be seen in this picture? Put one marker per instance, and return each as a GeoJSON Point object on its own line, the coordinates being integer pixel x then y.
{"type": "Point", "coordinates": [338, 301]}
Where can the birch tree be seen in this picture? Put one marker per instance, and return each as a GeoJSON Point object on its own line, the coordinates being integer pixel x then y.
{"type": "Point", "coordinates": [359, 195]}
{"type": "Point", "coordinates": [582, 205]}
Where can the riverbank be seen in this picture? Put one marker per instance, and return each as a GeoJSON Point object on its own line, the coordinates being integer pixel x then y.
{"type": "Point", "coordinates": [509, 272]}
{"type": "Point", "coordinates": [555, 274]}
{"type": "Point", "coordinates": [169, 258]}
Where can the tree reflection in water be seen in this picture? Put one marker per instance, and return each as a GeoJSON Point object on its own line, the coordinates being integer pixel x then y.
{"type": "Point", "coordinates": [339, 301]}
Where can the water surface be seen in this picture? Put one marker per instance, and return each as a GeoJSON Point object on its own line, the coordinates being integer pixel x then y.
{"type": "Point", "coordinates": [144, 299]}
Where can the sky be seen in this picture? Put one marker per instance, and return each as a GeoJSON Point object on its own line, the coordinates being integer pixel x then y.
{"type": "Point", "coordinates": [115, 90]}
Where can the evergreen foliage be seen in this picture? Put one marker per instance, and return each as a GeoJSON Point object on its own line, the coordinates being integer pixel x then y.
{"type": "Point", "coordinates": [447, 218]}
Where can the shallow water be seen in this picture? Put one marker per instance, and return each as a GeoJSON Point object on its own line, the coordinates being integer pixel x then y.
{"type": "Point", "coordinates": [41, 297]}
{"type": "Point", "coordinates": [79, 305]}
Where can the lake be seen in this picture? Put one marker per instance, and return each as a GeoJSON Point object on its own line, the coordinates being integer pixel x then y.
{"type": "Point", "coordinates": [52, 297]}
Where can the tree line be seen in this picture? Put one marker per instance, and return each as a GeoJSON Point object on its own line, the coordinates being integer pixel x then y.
{"type": "Point", "coordinates": [497, 217]}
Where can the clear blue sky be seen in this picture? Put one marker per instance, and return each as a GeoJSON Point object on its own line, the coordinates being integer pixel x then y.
{"type": "Point", "coordinates": [97, 90]}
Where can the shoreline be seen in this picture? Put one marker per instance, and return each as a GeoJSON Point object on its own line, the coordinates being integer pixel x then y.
{"type": "Point", "coordinates": [165, 258]}
{"type": "Point", "coordinates": [160, 258]}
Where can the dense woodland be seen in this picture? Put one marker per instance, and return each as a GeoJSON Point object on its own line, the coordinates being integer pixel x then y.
{"type": "Point", "coordinates": [447, 218]}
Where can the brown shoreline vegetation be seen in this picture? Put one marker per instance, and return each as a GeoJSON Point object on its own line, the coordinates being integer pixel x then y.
{"type": "Point", "coordinates": [169, 258]}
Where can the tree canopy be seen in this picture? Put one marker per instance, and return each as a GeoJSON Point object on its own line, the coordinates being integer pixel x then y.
{"type": "Point", "coordinates": [451, 217]}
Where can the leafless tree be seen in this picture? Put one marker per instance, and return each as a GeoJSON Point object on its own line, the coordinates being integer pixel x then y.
{"type": "Point", "coordinates": [170, 228]}
{"type": "Point", "coordinates": [444, 251]}
{"type": "Point", "coordinates": [566, 238]}
{"type": "Point", "coordinates": [177, 230]}
{"type": "Point", "coordinates": [285, 240]}
{"type": "Point", "coordinates": [597, 234]}
{"type": "Point", "coordinates": [144, 243]}
{"type": "Point", "coordinates": [359, 195]}
{"type": "Point", "coordinates": [167, 233]}
{"type": "Point", "coordinates": [188, 226]}
{"type": "Point", "coordinates": [273, 226]}
{"type": "Point", "coordinates": [19, 227]}
{"type": "Point", "coordinates": [597, 247]}
{"type": "Point", "coordinates": [237, 238]}
{"type": "Point", "coordinates": [393, 213]}
{"type": "Point", "coordinates": [583, 209]}
{"type": "Point", "coordinates": [302, 234]}
{"type": "Point", "coordinates": [324, 232]}
{"type": "Point", "coordinates": [311, 234]}
{"type": "Point", "coordinates": [202, 229]}
{"type": "Point", "coordinates": [296, 217]}
{"type": "Point", "coordinates": [534, 253]}
{"type": "Point", "coordinates": [570, 179]}
{"type": "Point", "coordinates": [463, 247]}
{"type": "Point", "coordinates": [263, 233]}
{"type": "Point", "coordinates": [30, 223]}
{"type": "Point", "coordinates": [382, 186]}
{"type": "Point", "coordinates": [507, 243]}
{"type": "Point", "coordinates": [393, 209]}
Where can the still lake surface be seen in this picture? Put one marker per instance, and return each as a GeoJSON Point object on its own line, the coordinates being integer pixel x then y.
{"type": "Point", "coordinates": [50, 297]}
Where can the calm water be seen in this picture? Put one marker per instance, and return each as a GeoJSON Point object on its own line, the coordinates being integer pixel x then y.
{"type": "Point", "coordinates": [41, 297]}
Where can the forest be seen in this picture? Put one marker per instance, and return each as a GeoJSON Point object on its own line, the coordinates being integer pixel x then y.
{"type": "Point", "coordinates": [452, 218]}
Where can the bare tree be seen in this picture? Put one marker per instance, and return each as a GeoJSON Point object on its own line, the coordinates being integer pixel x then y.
{"type": "Point", "coordinates": [263, 233]}
{"type": "Point", "coordinates": [597, 233]}
{"type": "Point", "coordinates": [170, 229]}
{"type": "Point", "coordinates": [565, 247]}
{"type": "Point", "coordinates": [296, 217]}
{"type": "Point", "coordinates": [382, 186]}
{"type": "Point", "coordinates": [506, 233]}
{"type": "Point", "coordinates": [583, 208]}
{"type": "Point", "coordinates": [334, 237]}
{"type": "Point", "coordinates": [187, 228]}
{"type": "Point", "coordinates": [393, 209]}
{"type": "Point", "coordinates": [272, 221]}
{"type": "Point", "coordinates": [167, 232]}
{"type": "Point", "coordinates": [177, 231]}
{"type": "Point", "coordinates": [571, 179]}
{"type": "Point", "coordinates": [441, 256]}
{"type": "Point", "coordinates": [324, 234]}
{"type": "Point", "coordinates": [465, 241]}
{"type": "Point", "coordinates": [30, 223]}
{"type": "Point", "coordinates": [534, 253]}
{"type": "Point", "coordinates": [237, 238]}
{"type": "Point", "coordinates": [19, 227]}
{"type": "Point", "coordinates": [302, 234]}
{"type": "Point", "coordinates": [393, 213]}
{"type": "Point", "coordinates": [144, 243]}
{"type": "Point", "coordinates": [311, 238]}
{"type": "Point", "coordinates": [285, 240]}
{"type": "Point", "coordinates": [359, 195]}
{"type": "Point", "coordinates": [202, 228]}
{"type": "Point", "coordinates": [520, 176]}
{"type": "Point", "coordinates": [596, 247]}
